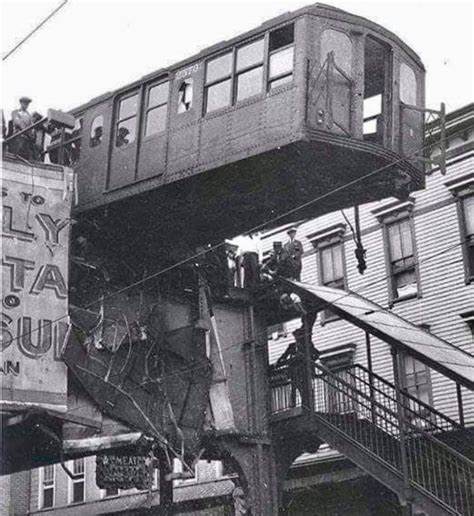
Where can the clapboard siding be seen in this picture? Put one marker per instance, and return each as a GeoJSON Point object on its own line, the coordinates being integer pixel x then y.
{"type": "Point", "coordinates": [444, 294]}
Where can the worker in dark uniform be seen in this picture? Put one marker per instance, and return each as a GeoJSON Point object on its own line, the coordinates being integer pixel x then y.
{"type": "Point", "coordinates": [294, 250]}
{"type": "Point", "coordinates": [24, 144]}
{"type": "Point", "coordinates": [294, 358]}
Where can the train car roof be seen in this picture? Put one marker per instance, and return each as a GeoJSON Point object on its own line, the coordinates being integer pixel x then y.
{"type": "Point", "coordinates": [320, 10]}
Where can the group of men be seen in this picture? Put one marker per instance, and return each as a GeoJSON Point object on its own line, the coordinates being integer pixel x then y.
{"type": "Point", "coordinates": [247, 268]}
{"type": "Point", "coordinates": [28, 144]}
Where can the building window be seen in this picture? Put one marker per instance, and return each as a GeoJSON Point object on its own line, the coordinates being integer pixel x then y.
{"type": "Point", "coordinates": [78, 483]}
{"type": "Point", "coordinates": [403, 272]}
{"type": "Point", "coordinates": [331, 271]}
{"type": "Point", "coordinates": [126, 126]}
{"type": "Point", "coordinates": [47, 478]}
{"type": "Point", "coordinates": [416, 382]}
{"type": "Point", "coordinates": [281, 56]}
{"type": "Point", "coordinates": [97, 128]}
{"type": "Point", "coordinates": [185, 96]}
{"type": "Point", "coordinates": [339, 397]}
{"type": "Point", "coordinates": [179, 469]}
{"type": "Point", "coordinates": [467, 221]}
{"type": "Point", "coordinates": [408, 86]}
{"type": "Point", "coordinates": [110, 492]}
{"type": "Point", "coordinates": [157, 108]}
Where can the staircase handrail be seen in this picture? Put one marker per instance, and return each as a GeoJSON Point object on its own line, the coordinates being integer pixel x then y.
{"type": "Point", "coordinates": [415, 429]}
{"type": "Point", "coordinates": [405, 394]}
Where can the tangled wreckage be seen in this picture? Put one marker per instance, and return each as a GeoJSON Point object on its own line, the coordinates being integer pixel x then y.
{"type": "Point", "coordinates": [121, 334]}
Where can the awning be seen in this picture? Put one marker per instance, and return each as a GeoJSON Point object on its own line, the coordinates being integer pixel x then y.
{"type": "Point", "coordinates": [437, 353]}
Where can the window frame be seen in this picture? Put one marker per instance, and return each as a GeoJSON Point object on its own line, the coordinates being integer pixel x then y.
{"type": "Point", "coordinates": [332, 237]}
{"type": "Point", "coordinates": [248, 68]}
{"type": "Point", "coordinates": [146, 108]}
{"type": "Point", "coordinates": [178, 468]}
{"type": "Point", "coordinates": [72, 481]}
{"type": "Point", "coordinates": [403, 84]}
{"type": "Point", "coordinates": [118, 120]}
{"type": "Point", "coordinates": [96, 117]}
{"type": "Point", "coordinates": [466, 245]}
{"type": "Point", "coordinates": [398, 218]}
{"type": "Point", "coordinates": [406, 388]}
{"type": "Point", "coordinates": [182, 82]}
{"type": "Point", "coordinates": [337, 363]}
{"type": "Point", "coordinates": [41, 489]}
{"type": "Point", "coordinates": [234, 74]}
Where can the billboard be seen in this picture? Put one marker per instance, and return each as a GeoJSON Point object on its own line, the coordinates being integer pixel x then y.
{"type": "Point", "coordinates": [36, 205]}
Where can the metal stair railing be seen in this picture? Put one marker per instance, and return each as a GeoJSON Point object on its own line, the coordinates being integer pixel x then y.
{"type": "Point", "coordinates": [419, 413]}
{"type": "Point", "coordinates": [369, 419]}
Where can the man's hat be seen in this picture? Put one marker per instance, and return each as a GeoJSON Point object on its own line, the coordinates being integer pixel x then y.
{"type": "Point", "coordinates": [292, 230]}
{"type": "Point", "coordinates": [25, 99]}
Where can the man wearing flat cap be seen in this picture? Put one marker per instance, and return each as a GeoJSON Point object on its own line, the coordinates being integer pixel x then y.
{"type": "Point", "coordinates": [294, 249]}
{"type": "Point", "coordinates": [21, 119]}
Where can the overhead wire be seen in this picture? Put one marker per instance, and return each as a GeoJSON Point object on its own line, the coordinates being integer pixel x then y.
{"type": "Point", "coordinates": [249, 231]}
{"type": "Point", "coordinates": [323, 307]}
{"type": "Point", "coordinates": [34, 30]}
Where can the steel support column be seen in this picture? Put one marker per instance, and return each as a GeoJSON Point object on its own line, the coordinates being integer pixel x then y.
{"type": "Point", "coordinates": [406, 503]}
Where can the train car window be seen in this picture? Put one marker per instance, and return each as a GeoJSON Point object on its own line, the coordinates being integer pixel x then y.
{"type": "Point", "coordinates": [218, 95]}
{"type": "Point", "coordinates": [185, 99]}
{"type": "Point", "coordinates": [126, 126]}
{"type": "Point", "coordinates": [249, 69]}
{"type": "Point", "coordinates": [339, 43]}
{"type": "Point", "coordinates": [372, 110]}
{"type": "Point", "coordinates": [218, 82]}
{"type": "Point", "coordinates": [157, 109]}
{"type": "Point", "coordinates": [281, 58]}
{"type": "Point", "coordinates": [219, 68]}
{"type": "Point", "coordinates": [281, 67]}
{"type": "Point", "coordinates": [97, 131]}
{"type": "Point", "coordinates": [250, 55]}
{"type": "Point", "coordinates": [249, 83]}
{"type": "Point", "coordinates": [408, 86]}
{"type": "Point", "coordinates": [282, 37]}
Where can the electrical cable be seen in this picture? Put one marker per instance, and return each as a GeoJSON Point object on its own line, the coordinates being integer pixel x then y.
{"type": "Point", "coordinates": [252, 230]}
{"type": "Point", "coordinates": [34, 30]}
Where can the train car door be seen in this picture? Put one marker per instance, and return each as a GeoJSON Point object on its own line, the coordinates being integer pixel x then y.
{"type": "Point", "coordinates": [377, 92]}
{"type": "Point", "coordinates": [411, 117]}
{"type": "Point", "coordinates": [154, 133]}
{"type": "Point", "coordinates": [336, 63]}
{"type": "Point", "coordinates": [122, 169]}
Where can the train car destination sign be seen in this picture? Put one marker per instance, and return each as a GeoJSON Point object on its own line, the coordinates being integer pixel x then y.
{"type": "Point", "coordinates": [36, 204]}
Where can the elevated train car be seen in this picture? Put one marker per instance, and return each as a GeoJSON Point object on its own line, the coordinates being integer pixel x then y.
{"type": "Point", "coordinates": [251, 128]}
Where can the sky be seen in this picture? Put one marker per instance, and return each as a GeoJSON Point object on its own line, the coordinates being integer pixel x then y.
{"type": "Point", "coordinates": [94, 46]}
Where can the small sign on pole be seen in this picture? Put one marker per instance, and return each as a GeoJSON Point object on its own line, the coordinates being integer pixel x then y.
{"type": "Point", "coordinates": [124, 471]}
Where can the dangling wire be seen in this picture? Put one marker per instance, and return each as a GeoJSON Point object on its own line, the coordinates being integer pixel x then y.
{"type": "Point", "coordinates": [359, 251]}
